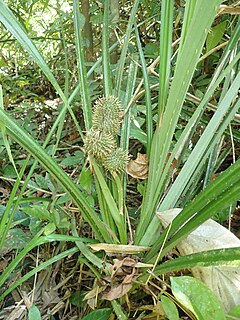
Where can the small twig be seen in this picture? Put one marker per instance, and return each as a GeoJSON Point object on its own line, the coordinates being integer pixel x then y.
{"type": "Point", "coordinates": [207, 54]}
{"type": "Point", "coordinates": [29, 186]}
{"type": "Point", "coordinates": [160, 252]}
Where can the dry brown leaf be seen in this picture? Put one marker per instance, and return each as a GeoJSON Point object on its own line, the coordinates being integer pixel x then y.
{"type": "Point", "coordinates": [92, 296]}
{"type": "Point", "coordinates": [116, 269]}
{"type": "Point", "coordinates": [229, 9]}
{"type": "Point", "coordinates": [129, 278]}
{"type": "Point", "coordinates": [3, 265]}
{"type": "Point", "coordinates": [118, 248]}
{"type": "Point", "coordinates": [138, 168]}
{"type": "Point", "coordinates": [117, 291]}
{"type": "Point", "coordinates": [123, 272]}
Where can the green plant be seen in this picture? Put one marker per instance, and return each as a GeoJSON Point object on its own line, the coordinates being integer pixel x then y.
{"type": "Point", "coordinates": [106, 150]}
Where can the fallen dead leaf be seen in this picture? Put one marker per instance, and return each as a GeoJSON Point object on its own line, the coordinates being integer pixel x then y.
{"type": "Point", "coordinates": [223, 9]}
{"type": "Point", "coordinates": [117, 291]}
{"type": "Point", "coordinates": [138, 168]}
{"type": "Point", "coordinates": [92, 296]}
{"type": "Point", "coordinates": [116, 268]}
{"type": "Point", "coordinates": [123, 272]}
{"type": "Point", "coordinates": [118, 248]}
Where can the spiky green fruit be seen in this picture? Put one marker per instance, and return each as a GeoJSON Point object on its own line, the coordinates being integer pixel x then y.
{"type": "Point", "coordinates": [116, 161]}
{"type": "Point", "coordinates": [99, 144]}
{"type": "Point", "coordinates": [107, 115]}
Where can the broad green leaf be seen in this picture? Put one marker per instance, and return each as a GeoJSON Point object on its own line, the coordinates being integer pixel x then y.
{"type": "Point", "coordinates": [86, 179]}
{"type": "Point", "coordinates": [49, 228]}
{"type": "Point", "coordinates": [71, 161]}
{"type": "Point", "coordinates": [100, 314]}
{"type": "Point", "coordinates": [215, 35]}
{"type": "Point", "coordinates": [77, 298]}
{"type": "Point", "coordinates": [41, 181]}
{"type": "Point", "coordinates": [38, 211]}
{"type": "Point", "coordinates": [16, 239]}
{"type": "Point", "coordinates": [197, 297]}
{"type": "Point", "coordinates": [9, 171]}
{"type": "Point", "coordinates": [34, 313]}
{"type": "Point", "coordinates": [169, 308]}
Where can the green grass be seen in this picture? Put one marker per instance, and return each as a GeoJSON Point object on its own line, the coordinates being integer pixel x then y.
{"type": "Point", "coordinates": [109, 218]}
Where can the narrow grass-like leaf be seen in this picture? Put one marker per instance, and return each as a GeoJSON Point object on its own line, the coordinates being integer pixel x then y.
{"type": "Point", "coordinates": [132, 77]}
{"type": "Point", "coordinates": [126, 124]}
{"type": "Point", "coordinates": [12, 24]}
{"type": "Point", "coordinates": [40, 267]}
{"type": "Point", "coordinates": [105, 51]}
{"type": "Point", "coordinates": [125, 48]}
{"type": "Point", "coordinates": [117, 217]}
{"type": "Point", "coordinates": [24, 139]}
{"type": "Point", "coordinates": [188, 13]}
{"type": "Point", "coordinates": [185, 67]}
{"type": "Point", "coordinates": [226, 256]}
{"type": "Point", "coordinates": [39, 240]}
{"type": "Point", "coordinates": [210, 136]}
{"type": "Point", "coordinates": [11, 206]}
{"type": "Point", "coordinates": [165, 54]}
{"type": "Point", "coordinates": [36, 240]}
{"type": "Point", "coordinates": [149, 116]}
{"type": "Point", "coordinates": [218, 77]}
{"type": "Point", "coordinates": [221, 193]}
{"type": "Point", "coordinates": [118, 310]}
{"type": "Point", "coordinates": [4, 136]}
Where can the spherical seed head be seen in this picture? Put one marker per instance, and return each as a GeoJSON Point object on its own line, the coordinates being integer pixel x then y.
{"type": "Point", "coordinates": [107, 115]}
{"type": "Point", "coordinates": [99, 144]}
{"type": "Point", "coordinates": [116, 161]}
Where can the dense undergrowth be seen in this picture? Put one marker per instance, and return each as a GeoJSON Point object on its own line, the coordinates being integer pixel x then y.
{"type": "Point", "coordinates": [101, 141]}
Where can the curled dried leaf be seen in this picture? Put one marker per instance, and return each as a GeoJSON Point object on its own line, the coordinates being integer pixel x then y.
{"type": "Point", "coordinates": [138, 168]}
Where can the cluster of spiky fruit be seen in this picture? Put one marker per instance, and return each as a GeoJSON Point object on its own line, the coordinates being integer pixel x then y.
{"type": "Point", "coordinates": [100, 140]}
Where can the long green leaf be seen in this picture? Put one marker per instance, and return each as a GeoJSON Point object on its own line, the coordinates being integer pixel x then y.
{"type": "Point", "coordinates": [11, 23]}
{"type": "Point", "coordinates": [212, 133]}
{"type": "Point", "coordinates": [42, 266]}
{"type": "Point", "coordinates": [117, 217]}
{"type": "Point", "coordinates": [149, 116]}
{"type": "Point", "coordinates": [165, 53]}
{"type": "Point", "coordinates": [105, 51]}
{"type": "Point", "coordinates": [221, 193]}
{"type": "Point", "coordinates": [185, 67]}
{"type": "Point", "coordinates": [25, 140]}
{"type": "Point", "coordinates": [122, 59]}
{"type": "Point", "coordinates": [153, 228]}
{"type": "Point", "coordinates": [226, 256]}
